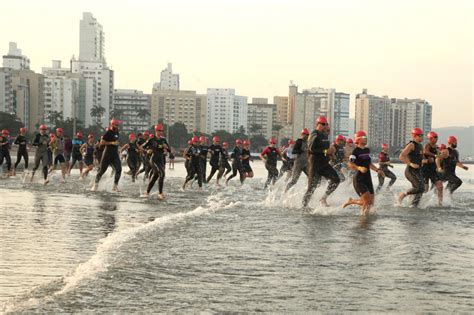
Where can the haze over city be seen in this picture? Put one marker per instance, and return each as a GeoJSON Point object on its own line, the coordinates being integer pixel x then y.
{"type": "Point", "coordinates": [414, 49]}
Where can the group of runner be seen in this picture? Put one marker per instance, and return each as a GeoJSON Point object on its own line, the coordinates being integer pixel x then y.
{"type": "Point", "coordinates": [312, 154]}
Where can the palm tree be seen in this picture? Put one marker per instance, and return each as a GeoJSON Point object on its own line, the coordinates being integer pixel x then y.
{"type": "Point", "coordinates": [97, 112]}
{"type": "Point", "coordinates": [255, 128]}
{"type": "Point", "coordinates": [143, 113]}
{"type": "Point", "coordinates": [117, 114]}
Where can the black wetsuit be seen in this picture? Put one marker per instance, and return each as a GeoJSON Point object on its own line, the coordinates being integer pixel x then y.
{"type": "Point", "coordinates": [414, 174]}
{"type": "Point", "coordinates": [195, 167]}
{"type": "Point", "coordinates": [22, 151]}
{"type": "Point", "coordinates": [89, 154]}
{"type": "Point", "coordinates": [41, 142]}
{"type": "Point", "coordinates": [428, 170]}
{"type": "Point", "coordinates": [216, 151]}
{"type": "Point", "coordinates": [224, 165]}
{"type": "Point", "coordinates": [76, 151]}
{"type": "Point", "coordinates": [99, 151]}
{"type": "Point", "coordinates": [449, 167]}
{"type": "Point", "coordinates": [5, 152]}
{"type": "Point", "coordinates": [110, 157]}
{"type": "Point", "coordinates": [318, 165]}
{"type": "Point", "coordinates": [300, 165]}
{"type": "Point", "coordinates": [272, 154]}
{"type": "Point", "coordinates": [158, 146]}
{"type": "Point", "coordinates": [383, 157]}
{"type": "Point", "coordinates": [133, 159]}
{"type": "Point", "coordinates": [59, 151]}
{"type": "Point", "coordinates": [237, 164]}
{"type": "Point", "coordinates": [204, 150]}
{"type": "Point", "coordinates": [362, 181]}
{"type": "Point", "coordinates": [339, 164]}
{"type": "Point", "coordinates": [246, 158]}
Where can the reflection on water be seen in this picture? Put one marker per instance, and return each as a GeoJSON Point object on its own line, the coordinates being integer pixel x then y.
{"type": "Point", "coordinates": [107, 216]}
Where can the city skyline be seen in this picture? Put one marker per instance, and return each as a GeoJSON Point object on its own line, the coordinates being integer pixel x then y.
{"type": "Point", "coordinates": [428, 60]}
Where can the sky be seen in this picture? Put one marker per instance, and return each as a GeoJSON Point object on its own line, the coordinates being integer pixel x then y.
{"type": "Point", "coordinates": [404, 48]}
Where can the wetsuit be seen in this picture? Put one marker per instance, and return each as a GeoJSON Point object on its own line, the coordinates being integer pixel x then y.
{"type": "Point", "coordinates": [224, 165]}
{"type": "Point", "coordinates": [272, 154]}
{"type": "Point", "coordinates": [76, 151]}
{"type": "Point", "coordinates": [318, 165]}
{"type": "Point", "coordinates": [339, 154]}
{"type": "Point", "coordinates": [428, 170]}
{"type": "Point", "coordinates": [89, 154]}
{"type": "Point", "coordinates": [41, 142]}
{"type": "Point", "coordinates": [133, 159]}
{"type": "Point", "coordinates": [383, 157]}
{"type": "Point", "coordinates": [216, 151]}
{"type": "Point", "coordinates": [5, 152]}
{"type": "Point", "coordinates": [362, 181]}
{"type": "Point", "coordinates": [288, 162]}
{"type": "Point", "coordinates": [110, 157]}
{"type": "Point", "coordinates": [246, 158]}
{"type": "Point", "coordinates": [301, 151]}
{"type": "Point", "coordinates": [237, 164]}
{"type": "Point", "coordinates": [187, 160]}
{"type": "Point", "coordinates": [204, 150]}
{"type": "Point", "coordinates": [67, 149]}
{"type": "Point", "coordinates": [59, 151]}
{"type": "Point", "coordinates": [449, 167]}
{"type": "Point", "coordinates": [22, 151]}
{"type": "Point", "coordinates": [195, 167]}
{"type": "Point", "coordinates": [414, 175]}
{"type": "Point", "coordinates": [158, 146]}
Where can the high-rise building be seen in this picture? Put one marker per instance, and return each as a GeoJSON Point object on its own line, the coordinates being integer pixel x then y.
{"type": "Point", "coordinates": [91, 39]}
{"type": "Point", "coordinates": [373, 115]}
{"type": "Point", "coordinates": [281, 103]}
{"type": "Point", "coordinates": [293, 90]}
{"type": "Point", "coordinates": [132, 108]}
{"type": "Point", "coordinates": [15, 60]}
{"type": "Point", "coordinates": [315, 102]}
{"type": "Point", "coordinates": [408, 114]}
{"type": "Point", "coordinates": [260, 117]}
{"type": "Point", "coordinates": [6, 91]}
{"type": "Point", "coordinates": [225, 110]}
{"type": "Point", "coordinates": [168, 80]}
{"type": "Point", "coordinates": [187, 107]}
{"type": "Point", "coordinates": [98, 85]}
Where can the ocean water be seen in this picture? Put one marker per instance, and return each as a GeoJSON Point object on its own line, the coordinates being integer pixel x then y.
{"type": "Point", "coordinates": [236, 248]}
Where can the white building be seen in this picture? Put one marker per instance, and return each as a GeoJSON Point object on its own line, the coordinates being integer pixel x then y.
{"type": "Point", "coordinates": [225, 110]}
{"type": "Point", "coordinates": [99, 79]}
{"type": "Point", "coordinates": [406, 115]}
{"type": "Point", "coordinates": [315, 102]}
{"type": "Point", "coordinates": [6, 91]}
{"type": "Point", "coordinates": [168, 80]}
{"type": "Point", "coordinates": [15, 60]}
{"type": "Point", "coordinates": [261, 116]}
{"type": "Point", "coordinates": [373, 115]}
{"type": "Point", "coordinates": [132, 108]}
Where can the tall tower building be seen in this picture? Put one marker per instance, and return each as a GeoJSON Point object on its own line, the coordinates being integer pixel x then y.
{"type": "Point", "coordinates": [168, 80]}
{"type": "Point", "coordinates": [15, 60]}
{"type": "Point", "coordinates": [225, 110]}
{"type": "Point", "coordinates": [91, 39]}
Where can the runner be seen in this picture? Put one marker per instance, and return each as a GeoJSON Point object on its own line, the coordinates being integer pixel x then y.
{"type": "Point", "coordinates": [246, 159]}
{"type": "Point", "coordinates": [224, 165]}
{"type": "Point", "coordinates": [360, 161]}
{"type": "Point", "coordinates": [447, 163]}
{"type": "Point", "coordinates": [384, 164]}
{"type": "Point", "coordinates": [87, 150]}
{"type": "Point", "coordinates": [5, 150]}
{"type": "Point", "coordinates": [270, 155]}
{"type": "Point", "coordinates": [41, 142]}
{"type": "Point", "coordinates": [195, 167]}
{"type": "Point", "coordinates": [216, 150]}
{"type": "Point", "coordinates": [158, 146]}
{"type": "Point", "coordinates": [301, 151]}
{"type": "Point", "coordinates": [236, 156]}
{"type": "Point", "coordinates": [428, 170]}
{"type": "Point", "coordinates": [22, 152]}
{"type": "Point", "coordinates": [76, 155]}
{"type": "Point", "coordinates": [58, 144]}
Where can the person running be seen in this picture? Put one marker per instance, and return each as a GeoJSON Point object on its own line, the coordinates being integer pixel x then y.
{"type": "Point", "coordinates": [158, 146]}
{"type": "Point", "coordinates": [300, 150]}
{"type": "Point", "coordinates": [287, 159]}
{"type": "Point", "coordinates": [428, 170]}
{"type": "Point", "coordinates": [111, 156]}
{"type": "Point", "coordinates": [204, 149]}
{"type": "Point", "coordinates": [76, 155]}
{"type": "Point", "coordinates": [447, 163]}
{"type": "Point", "coordinates": [318, 162]}
{"type": "Point", "coordinates": [58, 144]}
{"type": "Point", "coordinates": [144, 155]}
{"type": "Point", "coordinates": [5, 150]}
{"type": "Point", "coordinates": [87, 150]}
{"type": "Point", "coordinates": [172, 156]}
{"type": "Point", "coordinates": [41, 142]}
{"type": "Point", "coordinates": [236, 156]}
{"type": "Point", "coordinates": [412, 156]}
{"type": "Point", "coordinates": [224, 166]}
{"type": "Point", "coordinates": [246, 159]}
{"type": "Point", "coordinates": [216, 150]}
{"type": "Point", "coordinates": [384, 164]}
{"type": "Point", "coordinates": [347, 153]}
{"type": "Point", "coordinates": [270, 155]}
{"type": "Point", "coordinates": [186, 157]}
{"type": "Point", "coordinates": [133, 156]}
{"type": "Point", "coordinates": [195, 168]}
{"type": "Point", "coordinates": [361, 162]}
{"type": "Point", "coordinates": [338, 156]}
{"type": "Point", "coordinates": [22, 152]}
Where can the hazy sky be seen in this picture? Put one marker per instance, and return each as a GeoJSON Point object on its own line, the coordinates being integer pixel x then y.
{"type": "Point", "coordinates": [403, 48]}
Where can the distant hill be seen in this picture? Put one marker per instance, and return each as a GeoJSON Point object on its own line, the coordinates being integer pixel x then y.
{"type": "Point", "coordinates": [465, 136]}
